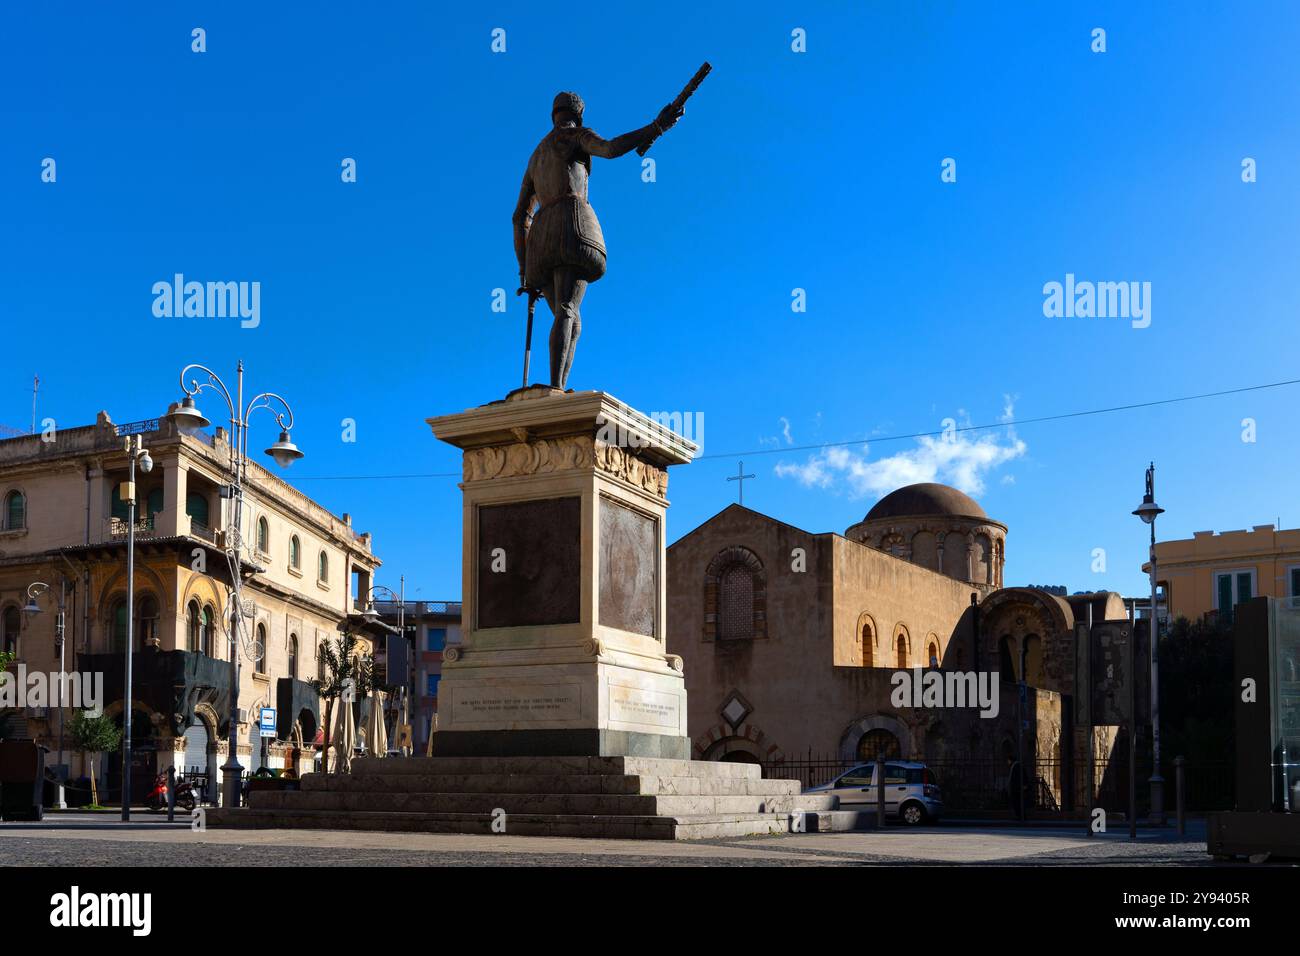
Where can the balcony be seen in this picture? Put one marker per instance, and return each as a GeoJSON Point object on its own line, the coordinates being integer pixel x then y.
{"type": "Point", "coordinates": [413, 608]}
{"type": "Point", "coordinates": [118, 528]}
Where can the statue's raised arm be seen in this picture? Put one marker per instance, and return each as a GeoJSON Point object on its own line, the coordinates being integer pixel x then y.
{"type": "Point", "coordinates": [559, 245]}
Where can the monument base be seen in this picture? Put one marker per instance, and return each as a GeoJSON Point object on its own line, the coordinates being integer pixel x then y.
{"type": "Point", "coordinates": [562, 649]}
{"type": "Point", "coordinates": [571, 796]}
{"type": "Point", "coordinates": [586, 742]}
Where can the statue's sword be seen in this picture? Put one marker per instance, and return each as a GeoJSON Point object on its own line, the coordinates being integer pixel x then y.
{"type": "Point", "coordinates": [678, 103]}
{"type": "Point", "coordinates": [528, 336]}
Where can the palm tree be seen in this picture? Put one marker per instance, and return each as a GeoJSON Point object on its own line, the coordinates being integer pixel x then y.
{"type": "Point", "coordinates": [347, 674]}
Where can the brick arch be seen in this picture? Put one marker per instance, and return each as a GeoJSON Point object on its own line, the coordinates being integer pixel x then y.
{"type": "Point", "coordinates": [719, 565]}
{"type": "Point", "coordinates": [748, 737]}
{"type": "Point", "coordinates": [859, 728]}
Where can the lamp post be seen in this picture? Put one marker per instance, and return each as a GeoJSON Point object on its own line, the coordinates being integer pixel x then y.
{"type": "Point", "coordinates": [372, 615]}
{"type": "Point", "coordinates": [1148, 511]}
{"type": "Point", "coordinates": [35, 590]}
{"type": "Point", "coordinates": [188, 420]}
{"type": "Point", "coordinates": [135, 451]}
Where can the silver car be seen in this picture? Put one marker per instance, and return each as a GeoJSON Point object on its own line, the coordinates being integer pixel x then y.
{"type": "Point", "coordinates": [911, 793]}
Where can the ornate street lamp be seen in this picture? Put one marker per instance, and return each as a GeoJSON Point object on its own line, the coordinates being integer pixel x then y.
{"type": "Point", "coordinates": [372, 616]}
{"type": "Point", "coordinates": [1148, 511]}
{"type": "Point", "coordinates": [188, 420]}
{"type": "Point", "coordinates": [35, 590]}
{"type": "Point", "coordinates": [136, 452]}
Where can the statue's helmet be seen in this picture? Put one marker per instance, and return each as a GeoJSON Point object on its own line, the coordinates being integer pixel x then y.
{"type": "Point", "coordinates": [568, 101]}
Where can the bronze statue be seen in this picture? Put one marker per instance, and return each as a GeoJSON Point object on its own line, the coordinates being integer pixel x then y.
{"type": "Point", "coordinates": [559, 245]}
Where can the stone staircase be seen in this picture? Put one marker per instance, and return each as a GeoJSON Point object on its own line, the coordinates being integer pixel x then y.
{"type": "Point", "coordinates": [615, 797]}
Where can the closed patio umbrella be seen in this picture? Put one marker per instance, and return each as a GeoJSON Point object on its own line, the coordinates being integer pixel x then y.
{"type": "Point", "coordinates": [376, 732]}
{"type": "Point", "coordinates": [344, 736]}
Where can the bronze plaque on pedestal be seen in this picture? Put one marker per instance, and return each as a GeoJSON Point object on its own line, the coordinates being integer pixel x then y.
{"type": "Point", "coordinates": [629, 548]}
{"type": "Point", "coordinates": [529, 563]}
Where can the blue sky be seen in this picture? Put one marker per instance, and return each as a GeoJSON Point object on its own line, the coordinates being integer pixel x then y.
{"type": "Point", "coordinates": [816, 170]}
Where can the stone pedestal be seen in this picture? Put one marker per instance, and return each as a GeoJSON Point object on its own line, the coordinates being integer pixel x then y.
{"type": "Point", "coordinates": [564, 587]}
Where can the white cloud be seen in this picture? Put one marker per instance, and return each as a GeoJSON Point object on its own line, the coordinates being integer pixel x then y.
{"type": "Point", "coordinates": [785, 430]}
{"type": "Point", "coordinates": [958, 460]}
{"type": "Point", "coordinates": [1008, 408]}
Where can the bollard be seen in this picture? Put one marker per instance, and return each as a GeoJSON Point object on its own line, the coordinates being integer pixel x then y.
{"type": "Point", "coordinates": [880, 791]}
{"type": "Point", "coordinates": [1180, 783]}
{"type": "Point", "coordinates": [171, 794]}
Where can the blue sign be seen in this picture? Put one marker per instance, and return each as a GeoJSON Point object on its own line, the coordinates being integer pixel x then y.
{"type": "Point", "coordinates": [266, 721]}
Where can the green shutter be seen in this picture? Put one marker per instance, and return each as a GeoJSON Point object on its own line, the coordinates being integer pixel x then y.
{"type": "Point", "coordinates": [196, 506]}
{"type": "Point", "coordinates": [1225, 595]}
{"type": "Point", "coordinates": [1243, 588]}
{"type": "Point", "coordinates": [17, 516]}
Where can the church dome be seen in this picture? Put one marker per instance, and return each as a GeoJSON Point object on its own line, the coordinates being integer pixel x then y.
{"type": "Point", "coordinates": [927, 498]}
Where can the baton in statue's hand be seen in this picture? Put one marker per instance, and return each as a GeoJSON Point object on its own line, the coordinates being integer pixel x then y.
{"type": "Point", "coordinates": [675, 107]}
{"type": "Point", "coordinates": [528, 336]}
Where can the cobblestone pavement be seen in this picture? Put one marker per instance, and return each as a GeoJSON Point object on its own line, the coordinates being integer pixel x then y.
{"type": "Point", "coordinates": [69, 843]}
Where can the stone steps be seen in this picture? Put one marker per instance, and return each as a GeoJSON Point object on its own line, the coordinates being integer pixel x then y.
{"type": "Point", "coordinates": [623, 797]}
{"type": "Point", "coordinates": [646, 766]}
{"type": "Point", "coordinates": [610, 804]}
{"type": "Point", "coordinates": [548, 783]}
{"type": "Point", "coordinates": [685, 827]}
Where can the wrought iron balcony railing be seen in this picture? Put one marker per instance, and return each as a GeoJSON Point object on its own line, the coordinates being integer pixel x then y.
{"type": "Point", "coordinates": [119, 527]}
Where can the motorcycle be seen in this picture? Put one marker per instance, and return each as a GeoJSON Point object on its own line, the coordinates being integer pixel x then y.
{"type": "Point", "coordinates": [186, 799]}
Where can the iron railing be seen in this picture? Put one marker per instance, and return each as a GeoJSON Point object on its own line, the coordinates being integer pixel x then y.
{"type": "Point", "coordinates": [981, 785]}
{"type": "Point", "coordinates": [119, 527]}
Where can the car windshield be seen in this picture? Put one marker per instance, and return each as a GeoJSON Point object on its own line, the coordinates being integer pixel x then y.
{"type": "Point", "coordinates": [857, 777]}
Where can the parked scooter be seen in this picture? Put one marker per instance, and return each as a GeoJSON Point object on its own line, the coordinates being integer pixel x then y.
{"type": "Point", "coordinates": [186, 799]}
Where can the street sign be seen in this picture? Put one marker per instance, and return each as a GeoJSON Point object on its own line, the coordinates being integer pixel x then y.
{"type": "Point", "coordinates": [266, 721]}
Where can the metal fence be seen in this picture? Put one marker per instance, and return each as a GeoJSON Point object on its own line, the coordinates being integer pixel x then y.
{"type": "Point", "coordinates": [981, 785]}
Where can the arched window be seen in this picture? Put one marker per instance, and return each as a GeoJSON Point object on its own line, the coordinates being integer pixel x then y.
{"type": "Point", "coordinates": [295, 553]}
{"type": "Point", "coordinates": [263, 536]}
{"type": "Point", "coordinates": [901, 646]}
{"type": "Point", "coordinates": [1007, 659]}
{"type": "Point", "coordinates": [878, 743]}
{"type": "Point", "coordinates": [868, 644]}
{"type": "Point", "coordinates": [15, 516]}
{"type": "Point", "coordinates": [934, 653]}
{"type": "Point", "coordinates": [12, 624]}
{"type": "Point", "coordinates": [735, 596]}
{"type": "Point", "coordinates": [146, 622]}
{"type": "Point", "coordinates": [192, 628]}
{"type": "Point", "coordinates": [196, 506]}
{"type": "Point", "coordinates": [293, 656]}
{"type": "Point", "coordinates": [117, 628]}
{"type": "Point", "coordinates": [260, 665]}
{"type": "Point", "coordinates": [206, 633]}
{"type": "Point", "coordinates": [736, 604]}
{"type": "Point", "coordinates": [323, 568]}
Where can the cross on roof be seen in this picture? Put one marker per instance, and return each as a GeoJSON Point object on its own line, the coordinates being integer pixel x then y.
{"type": "Point", "coordinates": [740, 476]}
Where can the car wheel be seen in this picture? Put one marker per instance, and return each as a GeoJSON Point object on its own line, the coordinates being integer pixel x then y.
{"type": "Point", "coordinates": [913, 814]}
